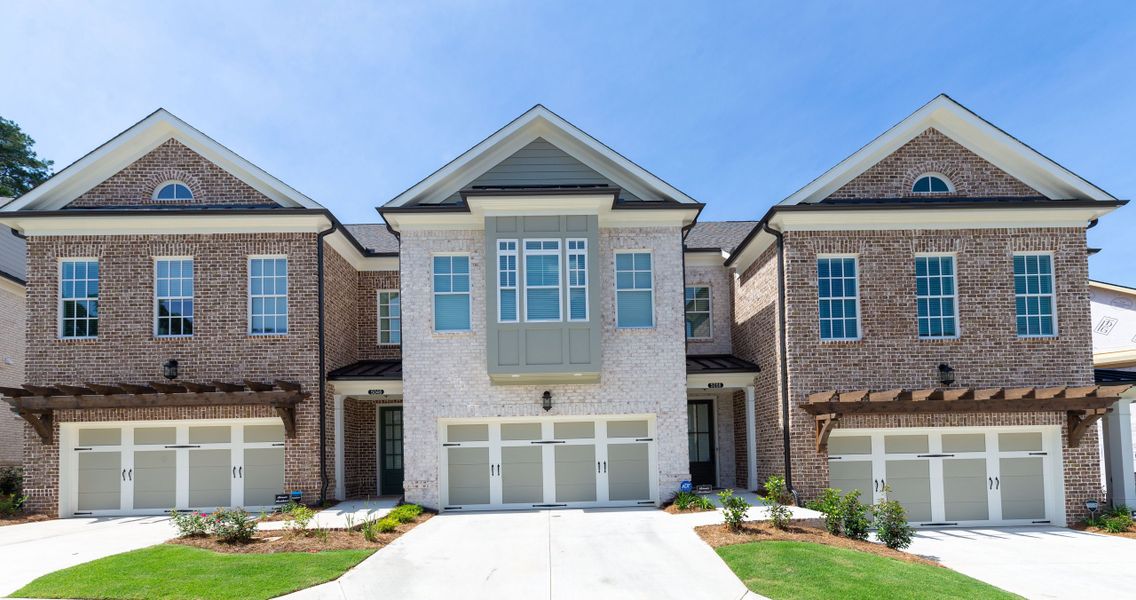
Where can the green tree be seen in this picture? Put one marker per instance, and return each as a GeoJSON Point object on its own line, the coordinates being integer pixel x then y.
{"type": "Point", "coordinates": [20, 168]}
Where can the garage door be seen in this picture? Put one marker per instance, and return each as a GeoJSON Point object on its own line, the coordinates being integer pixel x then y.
{"type": "Point", "coordinates": [954, 476]}
{"type": "Point", "coordinates": [152, 467]}
{"type": "Point", "coordinates": [546, 463]}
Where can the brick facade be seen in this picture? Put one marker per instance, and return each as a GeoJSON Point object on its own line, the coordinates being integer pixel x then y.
{"type": "Point", "coordinates": [720, 282]}
{"type": "Point", "coordinates": [12, 324]}
{"type": "Point", "coordinates": [370, 283]}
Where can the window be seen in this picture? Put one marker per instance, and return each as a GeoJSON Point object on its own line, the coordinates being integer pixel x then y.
{"type": "Point", "coordinates": [634, 294]}
{"type": "Point", "coordinates": [268, 295]}
{"type": "Point", "coordinates": [173, 190]}
{"type": "Point", "coordinates": [1033, 295]}
{"type": "Point", "coordinates": [542, 280]}
{"type": "Point", "coordinates": [931, 184]}
{"type": "Point", "coordinates": [935, 296]}
{"type": "Point", "coordinates": [451, 293]}
{"type": "Point", "coordinates": [507, 281]}
{"type": "Point", "coordinates": [698, 312]}
{"type": "Point", "coordinates": [839, 298]}
{"type": "Point", "coordinates": [79, 298]}
{"type": "Point", "coordinates": [390, 318]}
{"type": "Point", "coordinates": [577, 280]}
{"type": "Point", "coordinates": [173, 297]}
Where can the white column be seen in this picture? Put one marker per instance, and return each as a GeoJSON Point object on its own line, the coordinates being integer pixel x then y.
{"type": "Point", "coordinates": [1116, 432]}
{"type": "Point", "coordinates": [340, 484]}
{"type": "Point", "coordinates": [751, 439]}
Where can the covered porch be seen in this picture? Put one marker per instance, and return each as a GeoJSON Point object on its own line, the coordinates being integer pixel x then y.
{"type": "Point", "coordinates": [367, 398]}
{"type": "Point", "coordinates": [721, 426]}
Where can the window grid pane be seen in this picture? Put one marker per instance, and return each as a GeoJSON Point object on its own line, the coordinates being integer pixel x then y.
{"type": "Point", "coordinates": [542, 280]}
{"type": "Point", "coordinates": [633, 290]}
{"type": "Point", "coordinates": [838, 298]}
{"type": "Point", "coordinates": [390, 318]}
{"type": "Point", "coordinates": [698, 312]}
{"type": "Point", "coordinates": [268, 296]}
{"type": "Point", "coordinates": [79, 295]}
{"type": "Point", "coordinates": [507, 281]}
{"type": "Point", "coordinates": [936, 298]}
{"type": "Point", "coordinates": [577, 280]}
{"type": "Point", "coordinates": [1033, 295]}
{"type": "Point", "coordinates": [451, 293]}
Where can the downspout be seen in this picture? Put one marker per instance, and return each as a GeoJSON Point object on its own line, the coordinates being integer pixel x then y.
{"type": "Point", "coordinates": [784, 360]}
{"type": "Point", "coordinates": [322, 363]}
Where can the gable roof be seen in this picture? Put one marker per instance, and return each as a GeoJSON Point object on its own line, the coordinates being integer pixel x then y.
{"type": "Point", "coordinates": [374, 237]}
{"type": "Point", "coordinates": [723, 235]}
{"type": "Point", "coordinates": [973, 133]}
{"type": "Point", "coordinates": [538, 122]}
{"type": "Point", "coordinates": [134, 143]}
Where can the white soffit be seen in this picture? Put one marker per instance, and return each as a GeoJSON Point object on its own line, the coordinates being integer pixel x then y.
{"type": "Point", "coordinates": [543, 123]}
{"type": "Point", "coordinates": [973, 133]}
{"type": "Point", "coordinates": [134, 143]}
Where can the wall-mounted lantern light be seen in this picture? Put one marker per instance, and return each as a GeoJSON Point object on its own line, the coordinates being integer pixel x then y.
{"type": "Point", "coordinates": [946, 374]}
{"type": "Point", "coordinates": [546, 401]}
{"type": "Point", "coordinates": [170, 368]}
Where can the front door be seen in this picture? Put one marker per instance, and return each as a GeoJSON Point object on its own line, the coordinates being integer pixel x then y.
{"type": "Point", "coordinates": [700, 441]}
{"type": "Point", "coordinates": [390, 450]}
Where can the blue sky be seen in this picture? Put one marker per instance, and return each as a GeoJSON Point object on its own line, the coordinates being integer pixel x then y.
{"type": "Point", "coordinates": [738, 105]}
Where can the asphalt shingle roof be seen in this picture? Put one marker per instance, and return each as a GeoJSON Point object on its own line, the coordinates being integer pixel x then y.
{"type": "Point", "coordinates": [374, 237]}
{"type": "Point", "coordinates": [718, 234]}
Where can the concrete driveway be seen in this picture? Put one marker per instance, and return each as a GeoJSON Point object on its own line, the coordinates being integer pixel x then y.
{"type": "Point", "coordinates": [558, 555]}
{"type": "Point", "coordinates": [1037, 562]}
{"type": "Point", "coordinates": [34, 549]}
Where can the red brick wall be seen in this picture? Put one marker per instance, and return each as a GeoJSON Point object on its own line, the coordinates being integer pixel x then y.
{"type": "Point", "coordinates": [136, 184]}
{"type": "Point", "coordinates": [370, 282]}
{"type": "Point", "coordinates": [931, 151]}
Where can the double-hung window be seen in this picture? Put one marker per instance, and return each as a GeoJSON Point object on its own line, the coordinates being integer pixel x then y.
{"type": "Point", "coordinates": [1033, 295]}
{"type": "Point", "coordinates": [78, 298]}
{"type": "Point", "coordinates": [390, 318]}
{"type": "Point", "coordinates": [936, 299]}
{"type": "Point", "coordinates": [507, 281]}
{"type": "Point", "coordinates": [698, 312]}
{"type": "Point", "coordinates": [268, 295]}
{"type": "Point", "coordinates": [838, 298]}
{"type": "Point", "coordinates": [542, 280]}
{"type": "Point", "coordinates": [578, 280]}
{"type": "Point", "coordinates": [173, 297]}
{"type": "Point", "coordinates": [451, 293]}
{"type": "Point", "coordinates": [634, 290]}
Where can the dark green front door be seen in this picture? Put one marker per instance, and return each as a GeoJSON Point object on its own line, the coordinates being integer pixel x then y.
{"type": "Point", "coordinates": [700, 441]}
{"type": "Point", "coordinates": [390, 450]}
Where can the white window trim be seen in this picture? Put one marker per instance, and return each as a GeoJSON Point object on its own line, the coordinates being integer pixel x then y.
{"type": "Point", "coordinates": [287, 289]}
{"type": "Point", "coordinates": [1052, 293]}
{"type": "Point", "coordinates": [709, 311]}
{"type": "Point", "coordinates": [156, 298]}
{"type": "Point", "coordinates": [587, 278]}
{"type": "Point", "coordinates": [946, 180]}
{"type": "Point", "coordinates": [955, 296]}
{"type": "Point", "coordinates": [516, 254]}
{"type": "Point", "coordinates": [434, 295]}
{"type": "Point", "coordinates": [859, 321]}
{"type": "Point", "coordinates": [161, 186]}
{"type": "Point", "coordinates": [561, 278]}
{"type": "Point", "coordinates": [615, 284]}
{"type": "Point", "coordinates": [59, 296]}
{"type": "Point", "coordinates": [379, 317]}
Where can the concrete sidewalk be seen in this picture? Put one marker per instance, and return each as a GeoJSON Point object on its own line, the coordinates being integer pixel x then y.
{"type": "Point", "coordinates": [344, 515]}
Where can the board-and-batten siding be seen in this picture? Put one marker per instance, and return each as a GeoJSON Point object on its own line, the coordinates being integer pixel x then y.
{"type": "Point", "coordinates": [538, 164]}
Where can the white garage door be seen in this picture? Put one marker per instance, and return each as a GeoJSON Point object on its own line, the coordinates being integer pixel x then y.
{"type": "Point", "coordinates": [954, 476]}
{"type": "Point", "coordinates": [546, 463]}
{"type": "Point", "coordinates": [151, 467]}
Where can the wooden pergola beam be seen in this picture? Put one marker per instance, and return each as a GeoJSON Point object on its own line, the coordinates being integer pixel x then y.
{"type": "Point", "coordinates": [40, 422]}
{"type": "Point", "coordinates": [900, 407]}
{"type": "Point", "coordinates": [824, 426]}
{"type": "Point", "coordinates": [154, 399]}
{"type": "Point", "coordinates": [1079, 422]}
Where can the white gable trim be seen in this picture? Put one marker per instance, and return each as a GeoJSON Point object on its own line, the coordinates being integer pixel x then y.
{"type": "Point", "coordinates": [136, 142]}
{"type": "Point", "coordinates": [543, 123]}
{"type": "Point", "coordinates": [973, 133]}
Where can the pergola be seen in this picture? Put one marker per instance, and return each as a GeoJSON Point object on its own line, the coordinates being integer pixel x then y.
{"type": "Point", "coordinates": [36, 404]}
{"type": "Point", "coordinates": [1083, 405]}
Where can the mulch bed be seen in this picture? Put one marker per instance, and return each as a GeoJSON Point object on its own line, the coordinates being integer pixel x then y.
{"type": "Point", "coordinates": [719, 535]}
{"type": "Point", "coordinates": [672, 509]}
{"type": "Point", "coordinates": [1083, 527]}
{"type": "Point", "coordinates": [22, 518]}
{"type": "Point", "coordinates": [267, 542]}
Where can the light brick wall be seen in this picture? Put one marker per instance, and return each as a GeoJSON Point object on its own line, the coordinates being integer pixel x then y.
{"type": "Point", "coordinates": [721, 309]}
{"type": "Point", "coordinates": [445, 375]}
{"type": "Point", "coordinates": [12, 324]}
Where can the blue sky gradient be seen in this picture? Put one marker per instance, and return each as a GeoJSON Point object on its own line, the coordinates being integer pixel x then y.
{"type": "Point", "coordinates": [738, 105]}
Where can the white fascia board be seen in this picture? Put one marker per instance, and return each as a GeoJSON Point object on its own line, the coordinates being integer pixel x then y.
{"type": "Point", "coordinates": [134, 143]}
{"type": "Point", "coordinates": [390, 387]}
{"type": "Point", "coordinates": [759, 244]}
{"type": "Point", "coordinates": [1112, 287]}
{"type": "Point", "coordinates": [342, 246]}
{"type": "Point", "coordinates": [7, 285]}
{"type": "Point", "coordinates": [702, 381]}
{"type": "Point", "coordinates": [1114, 358]}
{"type": "Point", "coordinates": [481, 207]}
{"type": "Point", "coordinates": [158, 223]}
{"type": "Point", "coordinates": [947, 218]}
{"type": "Point", "coordinates": [705, 259]}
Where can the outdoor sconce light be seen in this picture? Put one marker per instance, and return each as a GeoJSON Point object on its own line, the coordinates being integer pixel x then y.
{"type": "Point", "coordinates": [170, 368]}
{"type": "Point", "coordinates": [546, 401]}
{"type": "Point", "coordinates": [946, 374]}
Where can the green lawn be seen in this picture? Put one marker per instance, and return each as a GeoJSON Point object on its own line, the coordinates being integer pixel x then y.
{"type": "Point", "coordinates": [801, 570]}
{"type": "Point", "coordinates": [174, 572]}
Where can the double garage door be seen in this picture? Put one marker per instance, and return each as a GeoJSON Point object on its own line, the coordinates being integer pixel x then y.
{"type": "Point", "coordinates": [547, 463]}
{"type": "Point", "coordinates": [151, 467]}
{"type": "Point", "coordinates": [954, 476]}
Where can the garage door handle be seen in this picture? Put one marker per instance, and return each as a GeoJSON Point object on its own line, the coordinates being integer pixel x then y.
{"type": "Point", "coordinates": [241, 472]}
{"type": "Point", "coordinates": [234, 472]}
{"type": "Point", "coordinates": [877, 482]}
{"type": "Point", "coordinates": [130, 474]}
{"type": "Point", "coordinates": [991, 480]}
{"type": "Point", "coordinates": [997, 484]}
{"type": "Point", "coordinates": [598, 467]}
{"type": "Point", "coordinates": [124, 474]}
{"type": "Point", "coordinates": [605, 466]}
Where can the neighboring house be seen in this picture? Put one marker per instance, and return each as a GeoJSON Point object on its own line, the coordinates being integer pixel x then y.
{"type": "Point", "coordinates": [11, 339]}
{"type": "Point", "coordinates": [1114, 356]}
{"type": "Point", "coordinates": [543, 323]}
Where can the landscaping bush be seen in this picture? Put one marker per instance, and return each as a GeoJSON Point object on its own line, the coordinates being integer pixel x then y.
{"type": "Point", "coordinates": [301, 516]}
{"type": "Point", "coordinates": [684, 500]}
{"type": "Point", "coordinates": [855, 516]}
{"type": "Point", "coordinates": [11, 481]}
{"type": "Point", "coordinates": [891, 523]}
{"type": "Point", "coordinates": [733, 509]}
{"type": "Point", "coordinates": [703, 503]}
{"type": "Point", "coordinates": [405, 513]}
{"type": "Point", "coordinates": [776, 493]}
{"type": "Point", "coordinates": [190, 524]}
{"type": "Point", "coordinates": [1116, 523]}
{"type": "Point", "coordinates": [830, 506]}
{"type": "Point", "coordinates": [232, 526]}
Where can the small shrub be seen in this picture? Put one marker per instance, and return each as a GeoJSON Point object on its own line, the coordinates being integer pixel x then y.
{"type": "Point", "coordinates": [733, 509]}
{"type": "Point", "coordinates": [189, 524]}
{"type": "Point", "coordinates": [301, 516]}
{"type": "Point", "coordinates": [11, 481]}
{"type": "Point", "coordinates": [1119, 523]}
{"type": "Point", "coordinates": [891, 523]}
{"type": "Point", "coordinates": [703, 503]}
{"type": "Point", "coordinates": [829, 505]}
{"type": "Point", "coordinates": [368, 529]}
{"type": "Point", "coordinates": [684, 500]}
{"type": "Point", "coordinates": [322, 534]}
{"type": "Point", "coordinates": [405, 513]}
{"type": "Point", "coordinates": [855, 516]}
{"type": "Point", "coordinates": [291, 507]}
{"type": "Point", "coordinates": [1119, 510]}
{"type": "Point", "coordinates": [232, 526]}
{"type": "Point", "coordinates": [10, 505]}
{"type": "Point", "coordinates": [776, 493]}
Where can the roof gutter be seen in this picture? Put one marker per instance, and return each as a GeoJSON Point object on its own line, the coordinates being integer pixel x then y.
{"type": "Point", "coordinates": [783, 351]}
